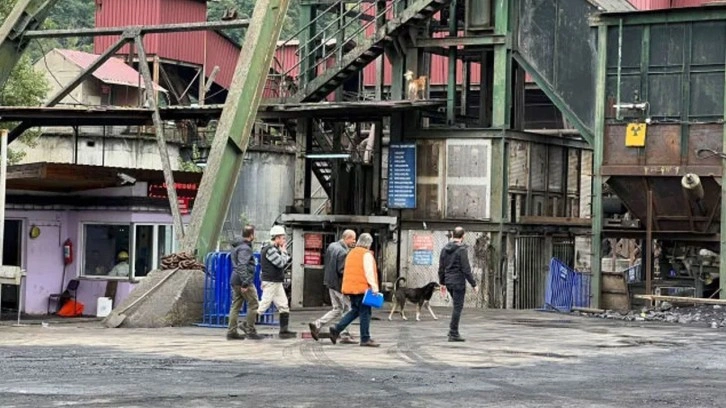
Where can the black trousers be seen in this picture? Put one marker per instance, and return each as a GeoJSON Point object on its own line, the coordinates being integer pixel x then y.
{"type": "Point", "coordinates": [457, 295]}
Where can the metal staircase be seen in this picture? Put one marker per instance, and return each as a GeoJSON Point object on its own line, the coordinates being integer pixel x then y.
{"type": "Point", "coordinates": [323, 143]}
{"type": "Point", "coordinates": [343, 47]}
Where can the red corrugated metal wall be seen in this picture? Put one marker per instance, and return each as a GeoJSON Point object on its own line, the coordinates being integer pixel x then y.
{"type": "Point", "coordinates": [187, 46]}
{"type": "Point", "coordinates": [651, 4]}
{"type": "Point", "coordinates": [119, 13]}
{"type": "Point", "coordinates": [224, 54]}
{"type": "Point", "coordinates": [689, 3]}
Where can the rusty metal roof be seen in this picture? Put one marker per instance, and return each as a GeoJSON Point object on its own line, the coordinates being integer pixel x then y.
{"type": "Point", "coordinates": [67, 177]}
{"type": "Point", "coordinates": [613, 5]}
{"type": "Point", "coordinates": [114, 71]}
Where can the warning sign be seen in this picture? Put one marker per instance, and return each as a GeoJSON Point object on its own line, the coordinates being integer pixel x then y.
{"type": "Point", "coordinates": [423, 242]}
{"type": "Point", "coordinates": [313, 241]}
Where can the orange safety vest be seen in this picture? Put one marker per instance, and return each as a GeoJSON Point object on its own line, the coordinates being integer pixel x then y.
{"type": "Point", "coordinates": [354, 276]}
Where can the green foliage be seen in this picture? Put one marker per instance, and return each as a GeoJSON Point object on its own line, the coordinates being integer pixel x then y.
{"type": "Point", "coordinates": [215, 11]}
{"type": "Point", "coordinates": [25, 87]}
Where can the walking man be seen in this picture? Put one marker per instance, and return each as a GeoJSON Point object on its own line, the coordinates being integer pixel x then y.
{"type": "Point", "coordinates": [243, 286]}
{"type": "Point", "coordinates": [360, 274]}
{"type": "Point", "coordinates": [334, 264]}
{"type": "Point", "coordinates": [274, 259]}
{"type": "Point", "coordinates": [454, 272]}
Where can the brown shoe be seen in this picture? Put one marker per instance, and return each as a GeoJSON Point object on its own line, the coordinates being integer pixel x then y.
{"type": "Point", "coordinates": [348, 340]}
{"type": "Point", "coordinates": [369, 343]}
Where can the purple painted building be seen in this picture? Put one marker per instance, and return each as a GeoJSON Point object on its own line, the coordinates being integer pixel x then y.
{"type": "Point", "coordinates": [101, 214]}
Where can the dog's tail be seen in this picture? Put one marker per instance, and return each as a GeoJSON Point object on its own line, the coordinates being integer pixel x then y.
{"type": "Point", "coordinates": [395, 284]}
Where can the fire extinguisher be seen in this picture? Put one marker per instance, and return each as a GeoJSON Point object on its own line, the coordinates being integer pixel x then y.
{"type": "Point", "coordinates": [68, 252]}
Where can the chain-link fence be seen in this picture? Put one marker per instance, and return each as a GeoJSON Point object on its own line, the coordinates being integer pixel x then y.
{"type": "Point", "coordinates": [422, 249]}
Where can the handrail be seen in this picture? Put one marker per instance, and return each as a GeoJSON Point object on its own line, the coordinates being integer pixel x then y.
{"type": "Point", "coordinates": [322, 44]}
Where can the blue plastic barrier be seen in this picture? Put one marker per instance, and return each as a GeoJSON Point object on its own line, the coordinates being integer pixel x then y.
{"type": "Point", "coordinates": [218, 293]}
{"type": "Point", "coordinates": [566, 288]}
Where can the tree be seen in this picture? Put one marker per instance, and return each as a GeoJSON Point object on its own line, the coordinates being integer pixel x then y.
{"type": "Point", "coordinates": [25, 87]}
{"type": "Point", "coordinates": [215, 10]}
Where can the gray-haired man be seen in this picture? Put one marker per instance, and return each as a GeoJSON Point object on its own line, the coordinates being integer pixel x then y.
{"type": "Point", "coordinates": [334, 265]}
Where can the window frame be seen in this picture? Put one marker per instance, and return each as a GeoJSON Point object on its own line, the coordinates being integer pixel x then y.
{"type": "Point", "coordinates": [81, 252]}
{"type": "Point", "coordinates": [131, 248]}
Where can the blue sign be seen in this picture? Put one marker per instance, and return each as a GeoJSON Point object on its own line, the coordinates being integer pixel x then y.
{"type": "Point", "coordinates": [423, 257]}
{"type": "Point", "coordinates": [402, 175]}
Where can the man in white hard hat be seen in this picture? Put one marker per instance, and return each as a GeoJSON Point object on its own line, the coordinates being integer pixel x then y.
{"type": "Point", "coordinates": [273, 259]}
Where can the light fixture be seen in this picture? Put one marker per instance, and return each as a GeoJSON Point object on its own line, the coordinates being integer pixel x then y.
{"type": "Point", "coordinates": [328, 156]}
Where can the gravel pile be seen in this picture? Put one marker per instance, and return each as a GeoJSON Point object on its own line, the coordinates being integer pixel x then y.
{"type": "Point", "coordinates": [713, 316]}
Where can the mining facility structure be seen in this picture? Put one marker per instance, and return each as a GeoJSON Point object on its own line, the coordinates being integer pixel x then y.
{"type": "Point", "coordinates": [589, 131]}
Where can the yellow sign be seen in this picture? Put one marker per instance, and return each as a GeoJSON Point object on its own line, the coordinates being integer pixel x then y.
{"type": "Point", "coordinates": [635, 134]}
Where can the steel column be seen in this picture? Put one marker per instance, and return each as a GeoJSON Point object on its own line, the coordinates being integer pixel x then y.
{"type": "Point", "coordinates": [451, 85]}
{"type": "Point", "coordinates": [149, 91]}
{"type": "Point", "coordinates": [235, 124]}
{"type": "Point", "coordinates": [597, 180]}
{"type": "Point", "coordinates": [722, 227]}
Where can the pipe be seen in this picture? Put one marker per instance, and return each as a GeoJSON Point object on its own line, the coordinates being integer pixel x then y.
{"type": "Point", "coordinates": [691, 183]}
{"type": "Point", "coordinates": [620, 63]}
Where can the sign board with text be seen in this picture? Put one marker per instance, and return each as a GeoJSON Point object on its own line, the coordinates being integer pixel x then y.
{"type": "Point", "coordinates": [402, 175]}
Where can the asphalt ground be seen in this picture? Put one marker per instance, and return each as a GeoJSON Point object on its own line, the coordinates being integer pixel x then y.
{"type": "Point", "coordinates": [510, 359]}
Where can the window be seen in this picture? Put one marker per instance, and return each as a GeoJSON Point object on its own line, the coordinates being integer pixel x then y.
{"type": "Point", "coordinates": [153, 242]}
{"type": "Point", "coordinates": [125, 250]}
{"type": "Point", "coordinates": [104, 250]}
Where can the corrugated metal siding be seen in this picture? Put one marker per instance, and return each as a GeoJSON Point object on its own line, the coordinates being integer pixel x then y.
{"type": "Point", "coordinates": [690, 3]}
{"type": "Point", "coordinates": [651, 4]}
{"type": "Point", "coordinates": [223, 53]}
{"type": "Point", "coordinates": [118, 13]}
{"type": "Point", "coordinates": [185, 46]}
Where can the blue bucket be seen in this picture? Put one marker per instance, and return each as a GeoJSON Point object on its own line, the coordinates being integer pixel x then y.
{"type": "Point", "coordinates": [373, 300]}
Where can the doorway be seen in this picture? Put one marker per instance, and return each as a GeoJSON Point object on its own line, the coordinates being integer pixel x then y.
{"type": "Point", "coordinates": [12, 256]}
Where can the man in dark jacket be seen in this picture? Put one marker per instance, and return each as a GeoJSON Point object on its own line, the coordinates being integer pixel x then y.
{"type": "Point", "coordinates": [273, 259]}
{"type": "Point", "coordinates": [334, 265]}
{"type": "Point", "coordinates": [454, 272]}
{"type": "Point", "coordinates": [243, 286]}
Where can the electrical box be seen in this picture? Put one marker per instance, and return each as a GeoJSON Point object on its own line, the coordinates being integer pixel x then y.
{"type": "Point", "coordinates": [635, 134]}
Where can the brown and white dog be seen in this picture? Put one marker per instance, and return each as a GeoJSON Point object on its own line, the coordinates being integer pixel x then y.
{"type": "Point", "coordinates": [420, 296]}
{"type": "Point", "coordinates": [416, 86]}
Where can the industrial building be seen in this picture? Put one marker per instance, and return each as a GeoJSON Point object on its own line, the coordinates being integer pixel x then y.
{"type": "Point", "coordinates": [590, 131]}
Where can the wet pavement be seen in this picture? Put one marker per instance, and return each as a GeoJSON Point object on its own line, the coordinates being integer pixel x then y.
{"type": "Point", "coordinates": [511, 359]}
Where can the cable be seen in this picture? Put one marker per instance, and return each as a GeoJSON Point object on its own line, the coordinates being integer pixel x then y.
{"type": "Point", "coordinates": [700, 155]}
{"type": "Point", "coordinates": [45, 62]}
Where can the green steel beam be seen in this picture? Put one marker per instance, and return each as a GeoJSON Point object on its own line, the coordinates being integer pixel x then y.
{"type": "Point", "coordinates": [597, 213]}
{"type": "Point", "coordinates": [26, 15]}
{"type": "Point", "coordinates": [451, 84]}
{"type": "Point", "coordinates": [665, 16]}
{"type": "Point", "coordinates": [502, 86]}
{"type": "Point", "coordinates": [722, 227]}
{"type": "Point", "coordinates": [233, 132]}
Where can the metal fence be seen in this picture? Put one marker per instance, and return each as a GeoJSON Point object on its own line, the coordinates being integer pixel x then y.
{"type": "Point", "coordinates": [218, 293]}
{"type": "Point", "coordinates": [422, 263]}
{"type": "Point", "coordinates": [566, 288]}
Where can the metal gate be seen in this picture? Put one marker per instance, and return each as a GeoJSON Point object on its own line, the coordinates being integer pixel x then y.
{"type": "Point", "coordinates": [563, 249]}
{"type": "Point", "coordinates": [531, 271]}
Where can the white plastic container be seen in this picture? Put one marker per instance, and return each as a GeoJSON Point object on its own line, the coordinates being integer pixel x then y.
{"type": "Point", "coordinates": [103, 307]}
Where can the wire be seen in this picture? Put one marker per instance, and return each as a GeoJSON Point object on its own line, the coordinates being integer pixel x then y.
{"type": "Point", "coordinates": [712, 153]}
{"type": "Point", "coordinates": [47, 68]}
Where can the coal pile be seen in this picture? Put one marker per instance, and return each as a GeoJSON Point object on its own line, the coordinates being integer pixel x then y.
{"type": "Point", "coordinates": [713, 316]}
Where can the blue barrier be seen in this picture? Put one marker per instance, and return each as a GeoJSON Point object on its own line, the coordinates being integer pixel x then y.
{"type": "Point", "coordinates": [566, 288]}
{"type": "Point", "coordinates": [218, 293]}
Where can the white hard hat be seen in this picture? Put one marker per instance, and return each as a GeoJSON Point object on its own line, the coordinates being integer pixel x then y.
{"type": "Point", "coordinates": [277, 230]}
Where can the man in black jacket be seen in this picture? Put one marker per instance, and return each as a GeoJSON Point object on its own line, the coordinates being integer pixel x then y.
{"type": "Point", "coordinates": [454, 272]}
{"type": "Point", "coordinates": [243, 286]}
{"type": "Point", "coordinates": [334, 265]}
